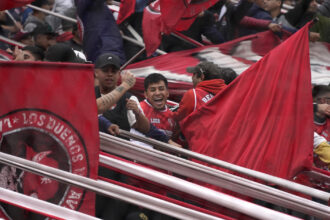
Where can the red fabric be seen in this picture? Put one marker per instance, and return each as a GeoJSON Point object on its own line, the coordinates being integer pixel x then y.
{"type": "Point", "coordinates": [163, 16]}
{"type": "Point", "coordinates": [172, 11]}
{"type": "Point", "coordinates": [204, 90]}
{"type": "Point", "coordinates": [163, 120]}
{"type": "Point", "coordinates": [190, 14]}
{"type": "Point", "coordinates": [8, 4]}
{"type": "Point", "coordinates": [152, 27]}
{"type": "Point", "coordinates": [255, 22]}
{"type": "Point", "coordinates": [263, 120]}
{"type": "Point", "coordinates": [64, 37]}
{"type": "Point", "coordinates": [127, 8]}
{"type": "Point", "coordinates": [49, 115]}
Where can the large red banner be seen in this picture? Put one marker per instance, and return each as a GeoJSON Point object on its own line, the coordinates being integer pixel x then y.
{"type": "Point", "coordinates": [264, 119]}
{"type": "Point", "coordinates": [48, 115]}
{"type": "Point", "coordinates": [8, 4]}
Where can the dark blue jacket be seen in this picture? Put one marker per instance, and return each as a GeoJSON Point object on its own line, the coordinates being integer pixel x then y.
{"type": "Point", "coordinates": [100, 31]}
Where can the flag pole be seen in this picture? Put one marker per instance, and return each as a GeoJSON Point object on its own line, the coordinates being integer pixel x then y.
{"type": "Point", "coordinates": [141, 44]}
{"type": "Point", "coordinates": [12, 42]}
{"type": "Point", "coordinates": [132, 59]}
{"type": "Point", "coordinates": [52, 13]}
{"type": "Point", "coordinates": [187, 39]}
{"type": "Point", "coordinates": [13, 19]}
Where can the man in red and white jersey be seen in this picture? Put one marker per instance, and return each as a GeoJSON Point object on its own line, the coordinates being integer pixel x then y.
{"type": "Point", "coordinates": [154, 106]}
{"type": "Point", "coordinates": [321, 96]}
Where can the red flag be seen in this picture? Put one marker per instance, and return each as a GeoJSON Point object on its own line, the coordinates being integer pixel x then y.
{"type": "Point", "coordinates": [8, 4]}
{"type": "Point", "coordinates": [48, 115]}
{"type": "Point", "coordinates": [263, 120]}
{"type": "Point", "coordinates": [172, 11]}
{"type": "Point", "coordinates": [127, 8]}
{"type": "Point", "coordinates": [152, 27]}
{"type": "Point", "coordinates": [191, 13]}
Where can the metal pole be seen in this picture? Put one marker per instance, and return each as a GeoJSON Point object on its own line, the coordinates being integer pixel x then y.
{"type": "Point", "coordinates": [10, 41]}
{"type": "Point", "coordinates": [141, 44]}
{"type": "Point", "coordinates": [209, 175]}
{"type": "Point", "coordinates": [132, 58]}
{"type": "Point", "coordinates": [36, 205]}
{"type": "Point", "coordinates": [252, 173]}
{"type": "Point", "coordinates": [52, 13]}
{"type": "Point", "coordinates": [187, 39]}
{"type": "Point", "coordinates": [222, 199]}
{"type": "Point", "coordinates": [105, 188]}
{"type": "Point", "coordinates": [13, 19]}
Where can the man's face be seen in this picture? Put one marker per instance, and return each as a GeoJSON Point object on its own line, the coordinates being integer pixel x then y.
{"type": "Point", "coordinates": [324, 99]}
{"type": "Point", "coordinates": [260, 3]}
{"type": "Point", "coordinates": [157, 95]}
{"type": "Point", "coordinates": [41, 40]}
{"type": "Point", "coordinates": [312, 6]}
{"type": "Point", "coordinates": [271, 5]}
{"type": "Point", "coordinates": [25, 55]}
{"type": "Point", "coordinates": [108, 77]}
{"type": "Point", "coordinates": [196, 79]}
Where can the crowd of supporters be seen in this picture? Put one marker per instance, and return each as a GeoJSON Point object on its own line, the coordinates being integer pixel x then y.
{"type": "Point", "coordinates": [97, 39]}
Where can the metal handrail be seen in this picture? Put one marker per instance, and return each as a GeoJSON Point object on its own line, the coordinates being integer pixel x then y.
{"type": "Point", "coordinates": [219, 198]}
{"type": "Point", "coordinates": [212, 161]}
{"type": "Point", "coordinates": [215, 177]}
{"type": "Point", "coordinates": [40, 206]}
{"type": "Point", "coordinates": [104, 188]}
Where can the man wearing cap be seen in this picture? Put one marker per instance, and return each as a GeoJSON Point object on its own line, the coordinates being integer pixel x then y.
{"type": "Point", "coordinates": [207, 81]}
{"type": "Point", "coordinates": [114, 101]}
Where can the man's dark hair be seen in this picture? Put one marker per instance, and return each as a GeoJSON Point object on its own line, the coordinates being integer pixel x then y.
{"type": "Point", "coordinates": [228, 75]}
{"type": "Point", "coordinates": [320, 90]}
{"type": "Point", "coordinates": [37, 52]}
{"type": "Point", "coordinates": [154, 78]}
{"type": "Point", "coordinates": [208, 69]}
{"type": "Point", "coordinates": [40, 3]}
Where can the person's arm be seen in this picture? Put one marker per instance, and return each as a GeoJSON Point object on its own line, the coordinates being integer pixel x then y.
{"type": "Point", "coordinates": [105, 102]}
{"type": "Point", "coordinates": [140, 122]}
{"type": "Point", "coordinates": [107, 127]}
{"type": "Point", "coordinates": [186, 106]}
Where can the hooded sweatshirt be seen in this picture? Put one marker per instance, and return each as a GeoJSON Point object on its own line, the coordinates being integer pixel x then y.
{"type": "Point", "coordinates": [197, 97]}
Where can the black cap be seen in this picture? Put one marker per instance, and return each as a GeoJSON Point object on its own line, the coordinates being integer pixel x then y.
{"type": "Point", "coordinates": [107, 59]}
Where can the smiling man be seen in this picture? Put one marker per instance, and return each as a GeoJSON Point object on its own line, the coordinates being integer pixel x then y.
{"type": "Point", "coordinates": [154, 106]}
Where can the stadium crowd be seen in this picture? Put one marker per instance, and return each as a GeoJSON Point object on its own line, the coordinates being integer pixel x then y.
{"type": "Point", "coordinates": [97, 39]}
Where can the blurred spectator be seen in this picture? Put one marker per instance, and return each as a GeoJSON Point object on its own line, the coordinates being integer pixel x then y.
{"type": "Point", "coordinates": [70, 33]}
{"type": "Point", "coordinates": [37, 18]}
{"type": "Point", "coordinates": [60, 6]}
{"type": "Point", "coordinates": [101, 33]}
{"type": "Point", "coordinates": [29, 53]}
{"type": "Point", "coordinates": [43, 36]}
{"type": "Point", "coordinates": [256, 11]}
{"type": "Point", "coordinates": [228, 16]}
{"type": "Point", "coordinates": [321, 96]}
{"type": "Point", "coordinates": [324, 8]}
{"type": "Point", "coordinates": [61, 52]}
{"type": "Point", "coordinates": [24, 38]}
{"type": "Point", "coordinates": [228, 75]}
